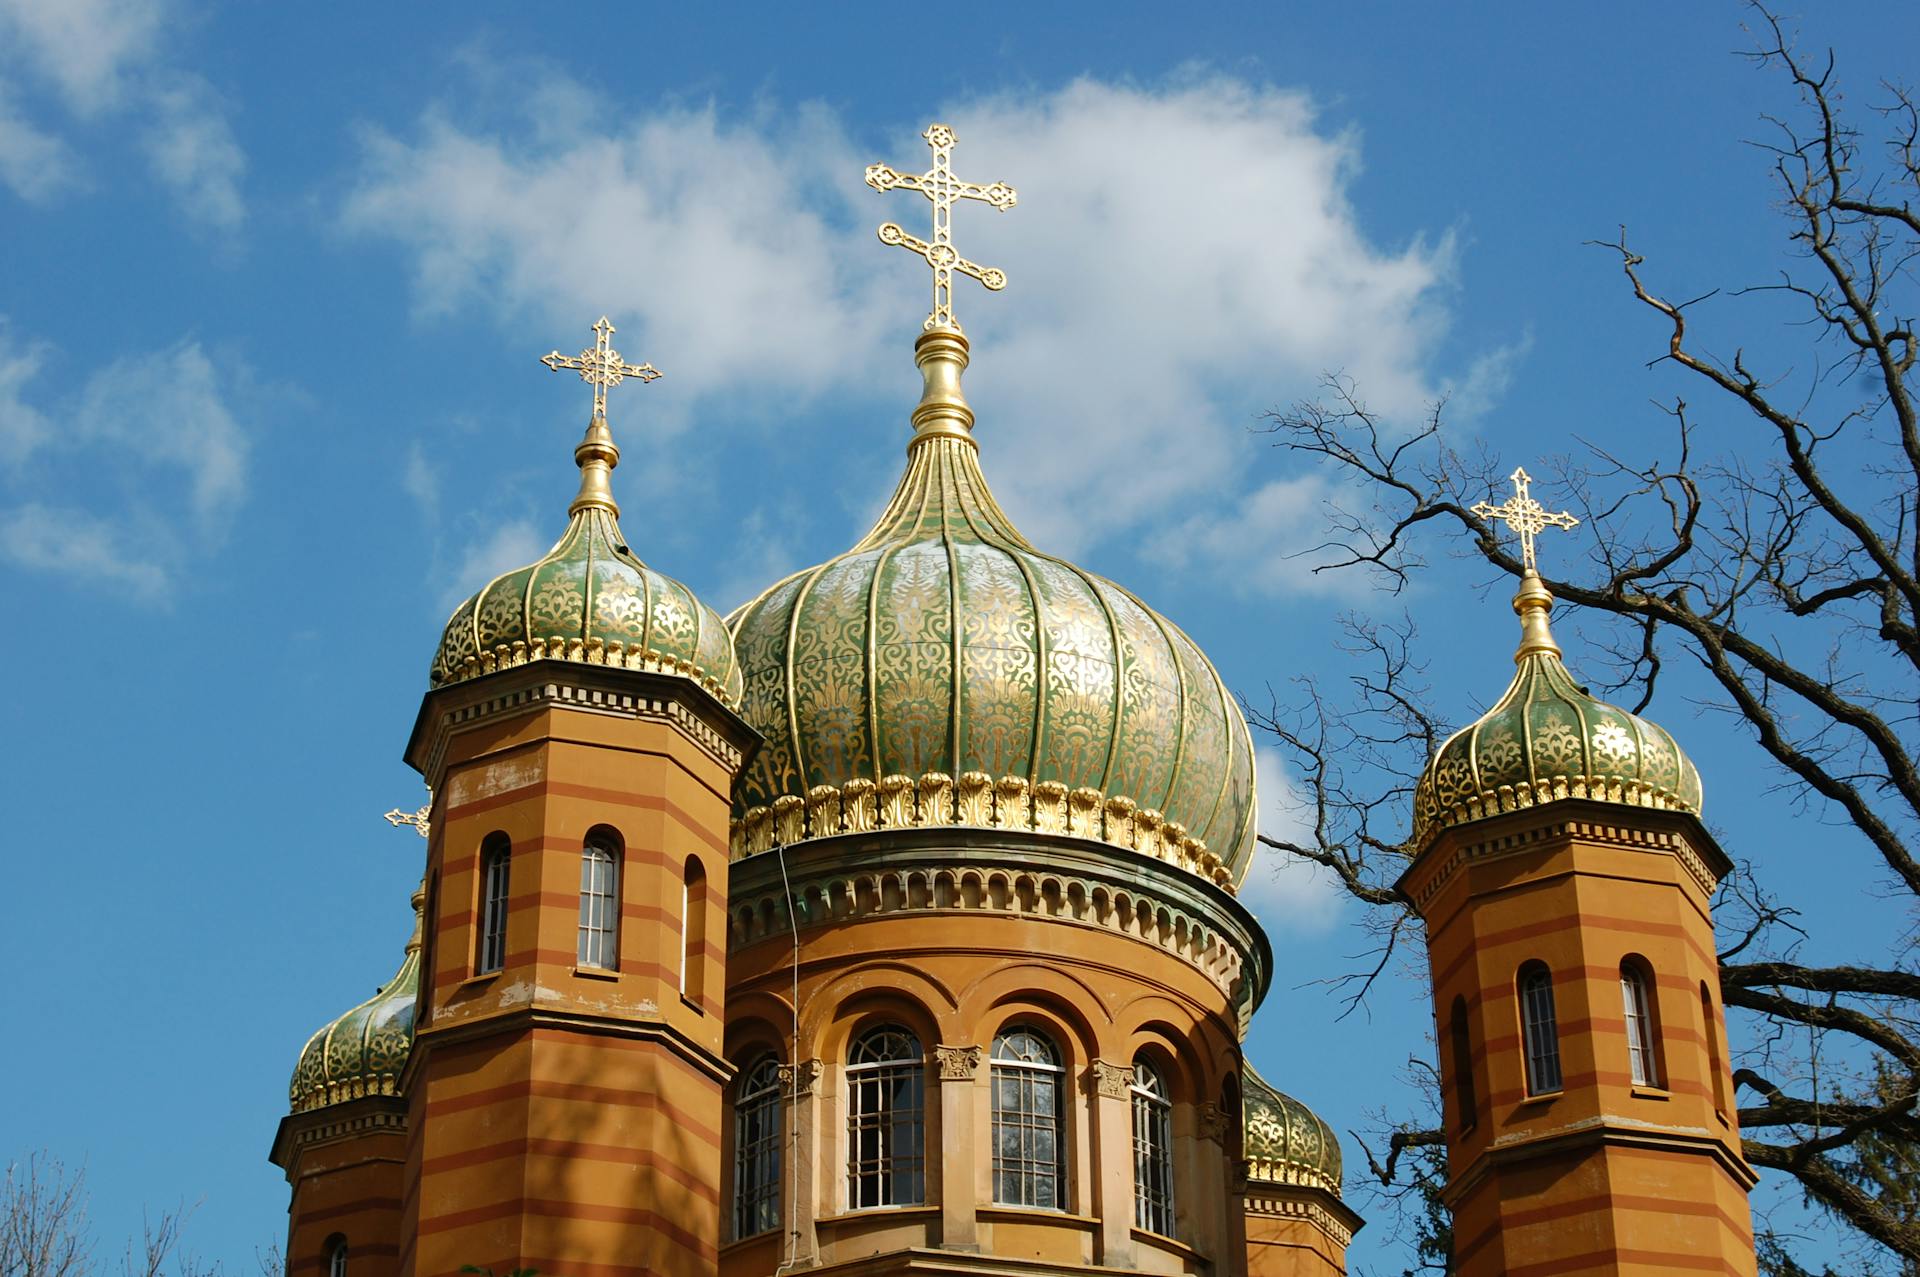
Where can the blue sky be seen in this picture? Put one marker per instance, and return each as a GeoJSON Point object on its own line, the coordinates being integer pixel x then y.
{"type": "Point", "coordinates": [273, 281]}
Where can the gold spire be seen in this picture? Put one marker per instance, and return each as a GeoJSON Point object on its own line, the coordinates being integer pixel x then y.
{"type": "Point", "coordinates": [419, 902]}
{"type": "Point", "coordinates": [601, 366]}
{"type": "Point", "coordinates": [941, 188]}
{"type": "Point", "coordinates": [1532, 604]}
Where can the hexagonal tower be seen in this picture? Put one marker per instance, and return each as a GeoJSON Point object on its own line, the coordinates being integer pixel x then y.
{"type": "Point", "coordinates": [1564, 877]}
{"type": "Point", "coordinates": [564, 1089]}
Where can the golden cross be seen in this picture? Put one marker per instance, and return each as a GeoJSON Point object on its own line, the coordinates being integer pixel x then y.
{"type": "Point", "coordinates": [418, 819]}
{"type": "Point", "coordinates": [941, 188]}
{"type": "Point", "coordinates": [1525, 515]}
{"type": "Point", "coordinates": [602, 366]}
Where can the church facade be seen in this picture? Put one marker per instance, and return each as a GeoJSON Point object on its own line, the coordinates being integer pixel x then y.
{"type": "Point", "coordinates": [890, 925]}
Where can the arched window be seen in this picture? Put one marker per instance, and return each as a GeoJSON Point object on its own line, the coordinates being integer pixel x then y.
{"type": "Point", "coordinates": [693, 930]}
{"type": "Point", "coordinates": [1152, 1151]}
{"type": "Point", "coordinates": [337, 1256]}
{"type": "Point", "coordinates": [886, 1120]}
{"type": "Point", "coordinates": [1710, 1025]}
{"type": "Point", "coordinates": [496, 855]}
{"type": "Point", "coordinates": [1466, 1110]}
{"type": "Point", "coordinates": [1643, 1030]}
{"type": "Point", "coordinates": [1539, 1030]}
{"type": "Point", "coordinates": [1029, 1163]}
{"type": "Point", "coordinates": [600, 900]}
{"type": "Point", "coordinates": [756, 1149]}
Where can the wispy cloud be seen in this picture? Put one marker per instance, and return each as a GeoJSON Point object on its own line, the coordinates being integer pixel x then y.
{"type": "Point", "coordinates": [153, 470]}
{"type": "Point", "coordinates": [1182, 254]}
{"type": "Point", "coordinates": [106, 61]}
{"type": "Point", "coordinates": [509, 545]}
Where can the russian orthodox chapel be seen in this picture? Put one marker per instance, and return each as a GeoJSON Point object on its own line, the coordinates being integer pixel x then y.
{"type": "Point", "coordinates": [890, 925]}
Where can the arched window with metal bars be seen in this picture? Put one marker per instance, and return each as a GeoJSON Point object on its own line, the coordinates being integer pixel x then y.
{"type": "Point", "coordinates": [886, 1119]}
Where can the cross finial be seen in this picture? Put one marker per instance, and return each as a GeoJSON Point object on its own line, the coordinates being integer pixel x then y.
{"type": "Point", "coordinates": [941, 188]}
{"type": "Point", "coordinates": [601, 367]}
{"type": "Point", "coordinates": [416, 819]}
{"type": "Point", "coordinates": [1525, 516]}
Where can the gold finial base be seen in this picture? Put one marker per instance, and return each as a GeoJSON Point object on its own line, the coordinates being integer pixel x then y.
{"type": "Point", "coordinates": [942, 412]}
{"type": "Point", "coordinates": [596, 455]}
{"type": "Point", "coordinates": [1532, 605]}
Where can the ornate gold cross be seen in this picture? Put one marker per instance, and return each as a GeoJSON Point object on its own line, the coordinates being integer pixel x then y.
{"type": "Point", "coordinates": [1525, 515]}
{"type": "Point", "coordinates": [417, 819]}
{"type": "Point", "coordinates": [941, 188]}
{"type": "Point", "coordinates": [601, 367]}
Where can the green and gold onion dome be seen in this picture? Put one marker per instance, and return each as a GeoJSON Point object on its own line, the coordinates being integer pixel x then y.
{"type": "Point", "coordinates": [363, 1052]}
{"type": "Point", "coordinates": [1548, 738]}
{"type": "Point", "coordinates": [943, 671]}
{"type": "Point", "coordinates": [590, 599]}
{"type": "Point", "coordinates": [1284, 1141]}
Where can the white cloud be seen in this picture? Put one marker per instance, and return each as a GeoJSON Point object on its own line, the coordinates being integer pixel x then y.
{"type": "Point", "coordinates": [167, 409]}
{"type": "Point", "coordinates": [82, 547]}
{"type": "Point", "coordinates": [105, 61]}
{"type": "Point", "coordinates": [510, 545]}
{"type": "Point", "coordinates": [1267, 542]}
{"type": "Point", "coordinates": [156, 467]}
{"type": "Point", "coordinates": [1288, 895]}
{"type": "Point", "coordinates": [191, 149]}
{"type": "Point", "coordinates": [23, 427]}
{"type": "Point", "coordinates": [34, 165]}
{"type": "Point", "coordinates": [421, 480]}
{"type": "Point", "coordinates": [1181, 257]}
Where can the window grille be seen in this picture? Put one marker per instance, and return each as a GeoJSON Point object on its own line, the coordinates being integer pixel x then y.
{"type": "Point", "coordinates": [337, 1260]}
{"type": "Point", "coordinates": [492, 953]}
{"type": "Point", "coordinates": [1541, 1032]}
{"type": "Point", "coordinates": [599, 905]}
{"type": "Point", "coordinates": [1152, 1151]}
{"type": "Point", "coordinates": [756, 1150]}
{"type": "Point", "coordinates": [1029, 1164]}
{"type": "Point", "coordinates": [886, 1120]}
{"type": "Point", "coordinates": [1637, 1008]}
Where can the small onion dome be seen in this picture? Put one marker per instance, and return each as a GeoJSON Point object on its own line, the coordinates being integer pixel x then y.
{"type": "Point", "coordinates": [591, 599]}
{"type": "Point", "coordinates": [1547, 739]}
{"type": "Point", "coordinates": [363, 1051]}
{"type": "Point", "coordinates": [944, 671]}
{"type": "Point", "coordinates": [1284, 1141]}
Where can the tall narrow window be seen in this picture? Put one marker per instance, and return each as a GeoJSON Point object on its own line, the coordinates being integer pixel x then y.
{"type": "Point", "coordinates": [1710, 1025]}
{"type": "Point", "coordinates": [496, 855]}
{"type": "Point", "coordinates": [1539, 1029]}
{"type": "Point", "coordinates": [1636, 1004]}
{"type": "Point", "coordinates": [756, 1149]}
{"type": "Point", "coordinates": [1029, 1163]}
{"type": "Point", "coordinates": [886, 1122]}
{"type": "Point", "coordinates": [1466, 1110]}
{"type": "Point", "coordinates": [600, 901]}
{"type": "Point", "coordinates": [693, 930]}
{"type": "Point", "coordinates": [337, 1258]}
{"type": "Point", "coordinates": [1152, 1151]}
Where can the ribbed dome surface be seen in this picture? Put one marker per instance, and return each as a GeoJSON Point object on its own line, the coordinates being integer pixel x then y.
{"type": "Point", "coordinates": [945, 671]}
{"type": "Point", "coordinates": [363, 1051]}
{"type": "Point", "coordinates": [1548, 738]}
{"type": "Point", "coordinates": [1284, 1141]}
{"type": "Point", "coordinates": [589, 598]}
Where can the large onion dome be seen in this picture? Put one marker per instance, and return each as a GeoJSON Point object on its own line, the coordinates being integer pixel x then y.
{"type": "Point", "coordinates": [1283, 1140]}
{"type": "Point", "coordinates": [363, 1051]}
{"type": "Point", "coordinates": [589, 598]}
{"type": "Point", "coordinates": [1549, 738]}
{"type": "Point", "coordinates": [944, 671]}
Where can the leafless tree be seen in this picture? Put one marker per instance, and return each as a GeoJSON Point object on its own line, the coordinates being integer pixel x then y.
{"type": "Point", "coordinates": [1784, 562]}
{"type": "Point", "coordinates": [43, 1220]}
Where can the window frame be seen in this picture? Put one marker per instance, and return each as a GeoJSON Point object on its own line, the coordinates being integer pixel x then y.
{"type": "Point", "coordinates": [1028, 1170]}
{"type": "Point", "coordinates": [597, 940]}
{"type": "Point", "coordinates": [336, 1253]}
{"type": "Point", "coordinates": [1641, 1019]}
{"type": "Point", "coordinates": [1153, 1173]}
{"type": "Point", "coordinates": [496, 891]}
{"type": "Point", "coordinates": [1539, 1030]}
{"type": "Point", "coordinates": [1466, 1102]}
{"type": "Point", "coordinates": [886, 1091]}
{"type": "Point", "coordinates": [756, 1200]}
